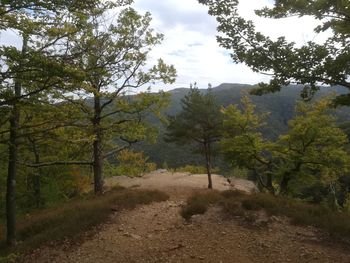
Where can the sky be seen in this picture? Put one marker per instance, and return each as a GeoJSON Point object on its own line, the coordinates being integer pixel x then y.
{"type": "Point", "coordinates": [190, 40]}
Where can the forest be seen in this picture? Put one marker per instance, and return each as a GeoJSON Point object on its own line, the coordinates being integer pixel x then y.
{"type": "Point", "coordinates": [78, 107]}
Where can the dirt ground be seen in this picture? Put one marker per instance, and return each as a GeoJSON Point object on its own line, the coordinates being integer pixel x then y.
{"type": "Point", "coordinates": [161, 179]}
{"type": "Point", "coordinates": [157, 233]}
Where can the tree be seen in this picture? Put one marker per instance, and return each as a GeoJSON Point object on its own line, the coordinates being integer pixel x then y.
{"type": "Point", "coordinates": [198, 123]}
{"type": "Point", "coordinates": [49, 135]}
{"type": "Point", "coordinates": [243, 144]}
{"type": "Point", "coordinates": [112, 65]}
{"type": "Point", "coordinates": [46, 26]}
{"type": "Point", "coordinates": [314, 146]}
{"type": "Point", "coordinates": [311, 65]}
{"type": "Point", "coordinates": [36, 67]}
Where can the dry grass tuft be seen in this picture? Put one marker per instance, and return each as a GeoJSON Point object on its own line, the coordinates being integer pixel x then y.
{"type": "Point", "coordinates": [236, 203]}
{"type": "Point", "coordinates": [70, 220]}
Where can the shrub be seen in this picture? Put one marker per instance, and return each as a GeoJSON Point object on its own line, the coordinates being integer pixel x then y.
{"type": "Point", "coordinates": [300, 213]}
{"type": "Point", "coordinates": [233, 194]}
{"type": "Point", "coordinates": [196, 208]}
{"type": "Point", "coordinates": [194, 169]}
{"type": "Point", "coordinates": [132, 163]}
{"type": "Point", "coordinates": [230, 206]}
{"type": "Point", "coordinates": [198, 203]}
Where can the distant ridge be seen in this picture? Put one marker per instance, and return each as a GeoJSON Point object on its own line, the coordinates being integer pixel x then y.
{"type": "Point", "coordinates": [225, 86]}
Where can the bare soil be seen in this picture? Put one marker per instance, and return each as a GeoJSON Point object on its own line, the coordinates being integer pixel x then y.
{"type": "Point", "coordinates": [157, 233]}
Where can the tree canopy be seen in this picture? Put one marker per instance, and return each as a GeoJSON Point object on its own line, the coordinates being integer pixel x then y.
{"type": "Point", "coordinates": [70, 81]}
{"type": "Point", "coordinates": [312, 150]}
{"type": "Point", "coordinates": [312, 64]}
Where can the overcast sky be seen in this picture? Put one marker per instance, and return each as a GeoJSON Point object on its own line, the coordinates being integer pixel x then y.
{"type": "Point", "coordinates": [190, 42]}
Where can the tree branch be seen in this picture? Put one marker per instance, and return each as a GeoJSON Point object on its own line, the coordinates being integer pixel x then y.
{"type": "Point", "coordinates": [47, 164]}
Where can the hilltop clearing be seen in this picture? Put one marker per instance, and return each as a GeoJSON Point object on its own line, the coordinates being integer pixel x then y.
{"type": "Point", "coordinates": [158, 233]}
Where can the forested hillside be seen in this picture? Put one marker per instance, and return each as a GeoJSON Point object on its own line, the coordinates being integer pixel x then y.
{"type": "Point", "coordinates": [251, 173]}
{"type": "Point", "coordinates": [280, 105]}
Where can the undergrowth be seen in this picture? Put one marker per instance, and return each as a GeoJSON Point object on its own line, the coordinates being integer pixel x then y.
{"type": "Point", "coordinates": [301, 213]}
{"type": "Point", "coordinates": [70, 220]}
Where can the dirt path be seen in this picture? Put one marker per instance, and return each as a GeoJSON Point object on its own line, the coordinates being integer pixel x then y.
{"type": "Point", "coordinates": [157, 233]}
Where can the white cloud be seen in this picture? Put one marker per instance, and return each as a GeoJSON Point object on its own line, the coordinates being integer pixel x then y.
{"type": "Point", "coordinates": [10, 38]}
{"type": "Point", "coordinates": [297, 29]}
{"type": "Point", "coordinates": [169, 14]}
{"type": "Point", "coordinates": [190, 40]}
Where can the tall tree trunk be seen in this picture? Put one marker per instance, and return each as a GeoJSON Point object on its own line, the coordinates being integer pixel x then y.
{"type": "Point", "coordinates": [98, 181]}
{"type": "Point", "coordinates": [12, 160]}
{"type": "Point", "coordinates": [208, 164]}
{"type": "Point", "coordinates": [264, 179]}
{"type": "Point", "coordinates": [284, 183]}
{"type": "Point", "coordinates": [37, 180]}
{"type": "Point", "coordinates": [287, 176]}
{"type": "Point", "coordinates": [12, 172]}
{"type": "Point", "coordinates": [269, 184]}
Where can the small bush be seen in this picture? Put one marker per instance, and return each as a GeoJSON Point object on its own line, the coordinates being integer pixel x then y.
{"type": "Point", "coordinates": [196, 208]}
{"type": "Point", "coordinates": [246, 204]}
{"type": "Point", "coordinates": [270, 203]}
{"type": "Point", "coordinates": [199, 203]}
{"type": "Point", "coordinates": [301, 213]}
{"type": "Point", "coordinates": [232, 207]}
{"type": "Point", "coordinates": [233, 194]}
{"type": "Point", "coordinates": [235, 203]}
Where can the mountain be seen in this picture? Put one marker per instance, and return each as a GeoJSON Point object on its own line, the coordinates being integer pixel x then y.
{"type": "Point", "coordinates": [280, 105]}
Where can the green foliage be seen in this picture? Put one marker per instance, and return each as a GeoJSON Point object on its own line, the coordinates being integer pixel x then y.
{"type": "Point", "coordinates": [116, 54]}
{"type": "Point", "coordinates": [281, 107]}
{"type": "Point", "coordinates": [239, 173]}
{"type": "Point", "coordinates": [242, 143]}
{"type": "Point", "coordinates": [314, 145]}
{"type": "Point", "coordinates": [132, 164]}
{"type": "Point", "coordinates": [311, 151]}
{"type": "Point", "coordinates": [70, 54]}
{"type": "Point", "coordinates": [199, 123]}
{"type": "Point", "coordinates": [311, 64]}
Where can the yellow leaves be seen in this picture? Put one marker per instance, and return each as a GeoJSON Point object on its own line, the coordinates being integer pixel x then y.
{"type": "Point", "coordinates": [240, 121]}
{"type": "Point", "coordinates": [132, 163]}
{"type": "Point", "coordinates": [80, 183]}
{"type": "Point", "coordinates": [242, 143]}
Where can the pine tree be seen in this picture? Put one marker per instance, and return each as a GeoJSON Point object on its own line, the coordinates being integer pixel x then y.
{"type": "Point", "coordinates": [199, 123]}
